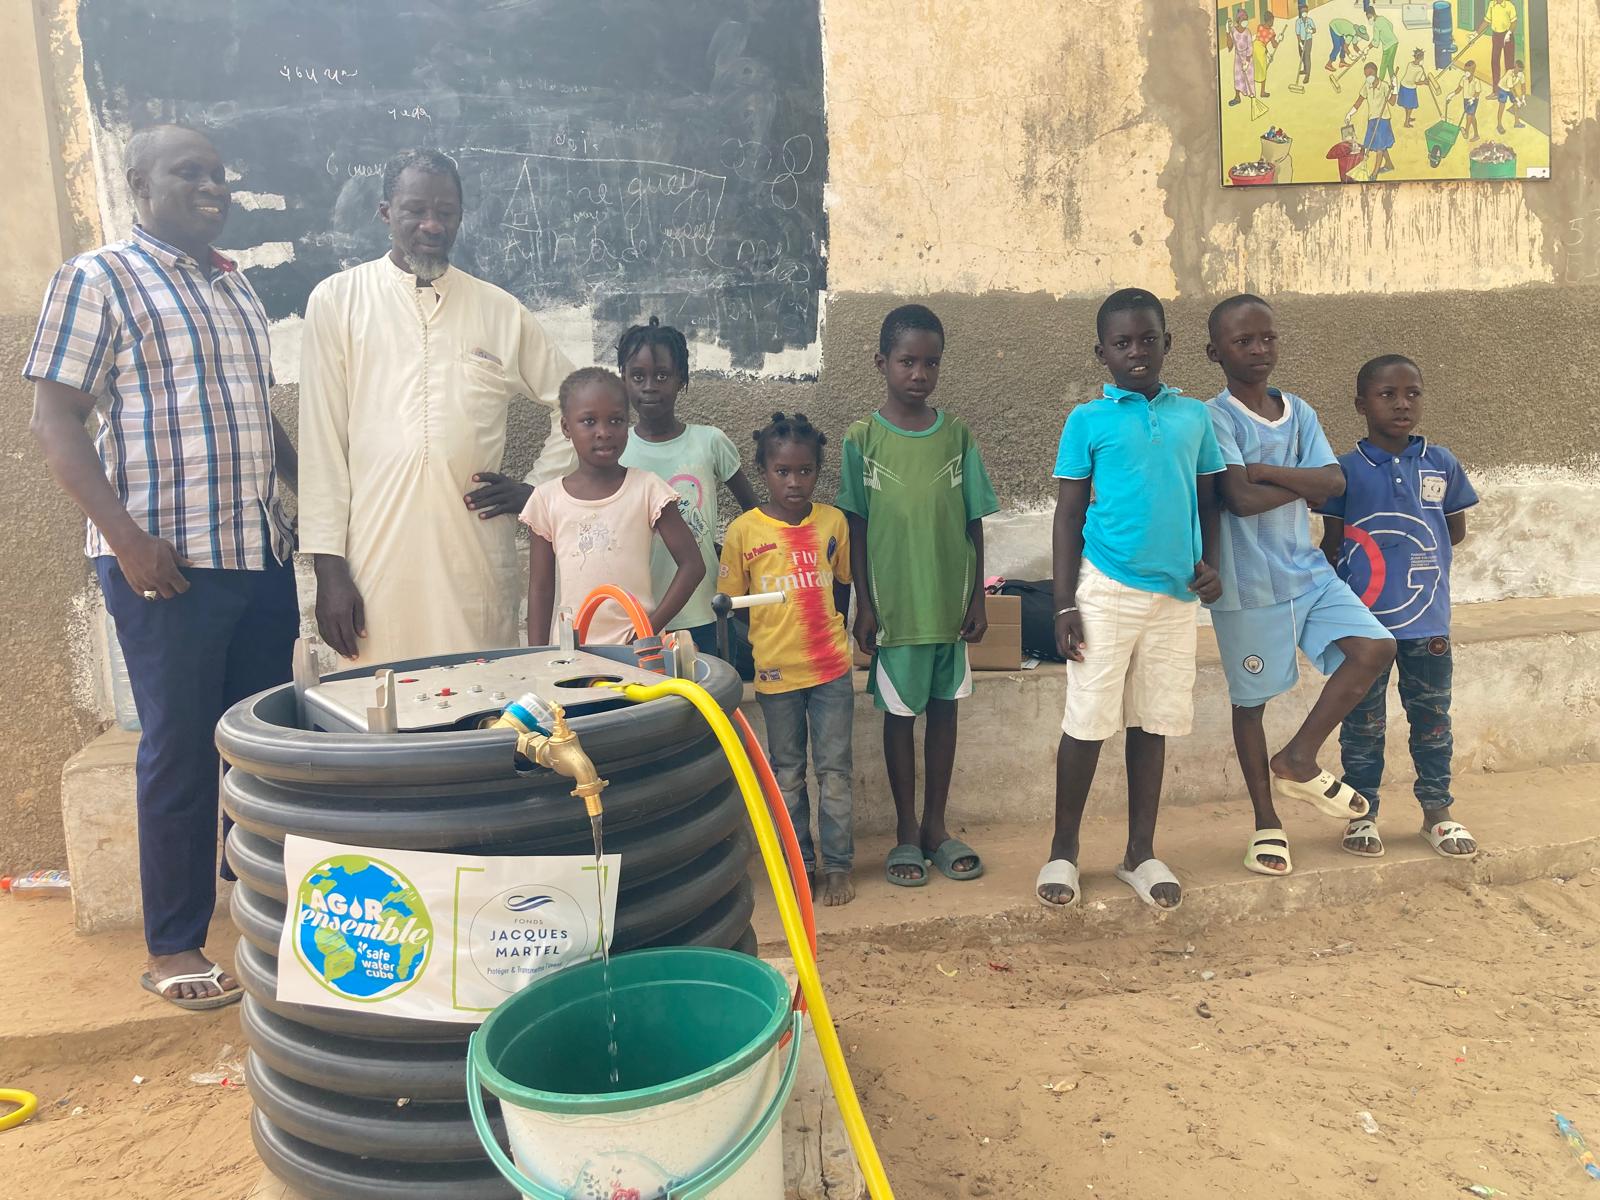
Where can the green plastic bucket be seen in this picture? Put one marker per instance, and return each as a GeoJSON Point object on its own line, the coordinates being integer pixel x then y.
{"type": "Point", "coordinates": [700, 1034]}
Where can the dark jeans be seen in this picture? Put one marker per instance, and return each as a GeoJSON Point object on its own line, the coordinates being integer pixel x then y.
{"type": "Point", "coordinates": [827, 713]}
{"type": "Point", "coordinates": [189, 660]}
{"type": "Point", "coordinates": [1305, 59]}
{"type": "Point", "coordinates": [1425, 693]}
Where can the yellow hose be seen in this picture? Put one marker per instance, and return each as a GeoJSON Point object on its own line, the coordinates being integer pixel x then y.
{"type": "Point", "coordinates": [855, 1123]}
{"type": "Point", "coordinates": [27, 1104]}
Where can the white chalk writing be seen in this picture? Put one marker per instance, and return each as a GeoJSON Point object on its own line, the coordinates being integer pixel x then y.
{"type": "Point", "coordinates": [305, 74]}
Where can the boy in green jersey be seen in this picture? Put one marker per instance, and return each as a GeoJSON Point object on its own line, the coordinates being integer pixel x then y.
{"type": "Point", "coordinates": [915, 492]}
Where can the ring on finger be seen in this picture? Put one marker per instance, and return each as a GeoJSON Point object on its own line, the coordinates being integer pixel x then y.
{"type": "Point", "coordinates": [150, 594]}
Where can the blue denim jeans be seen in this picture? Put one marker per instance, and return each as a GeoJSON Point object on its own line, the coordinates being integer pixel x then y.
{"type": "Point", "coordinates": [827, 713]}
{"type": "Point", "coordinates": [1425, 670]}
{"type": "Point", "coordinates": [190, 659]}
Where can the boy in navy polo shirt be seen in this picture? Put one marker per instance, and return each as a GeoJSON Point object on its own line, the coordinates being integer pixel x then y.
{"type": "Point", "coordinates": [1390, 537]}
{"type": "Point", "coordinates": [1135, 543]}
{"type": "Point", "coordinates": [1278, 592]}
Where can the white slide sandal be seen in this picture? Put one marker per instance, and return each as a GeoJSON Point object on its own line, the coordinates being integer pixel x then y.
{"type": "Point", "coordinates": [1268, 843]}
{"type": "Point", "coordinates": [1444, 831]}
{"type": "Point", "coordinates": [1144, 878]}
{"type": "Point", "coordinates": [1364, 830]}
{"type": "Point", "coordinates": [1326, 793]}
{"type": "Point", "coordinates": [1062, 873]}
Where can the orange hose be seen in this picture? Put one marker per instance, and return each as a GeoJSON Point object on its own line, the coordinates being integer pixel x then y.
{"type": "Point", "coordinates": [780, 817]}
{"type": "Point", "coordinates": [608, 591]}
{"type": "Point", "coordinates": [758, 759]}
{"type": "Point", "coordinates": [779, 808]}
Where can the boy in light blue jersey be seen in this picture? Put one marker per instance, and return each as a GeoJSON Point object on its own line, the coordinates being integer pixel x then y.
{"type": "Point", "coordinates": [1278, 592]}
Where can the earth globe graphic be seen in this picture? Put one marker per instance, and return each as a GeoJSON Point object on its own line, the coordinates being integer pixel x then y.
{"type": "Point", "coordinates": [363, 929]}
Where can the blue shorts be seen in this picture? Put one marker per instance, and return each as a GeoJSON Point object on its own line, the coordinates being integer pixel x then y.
{"type": "Point", "coordinates": [1258, 644]}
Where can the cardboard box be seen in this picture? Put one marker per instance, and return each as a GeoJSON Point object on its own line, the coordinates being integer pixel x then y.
{"type": "Point", "coordinates": [1001, 647]}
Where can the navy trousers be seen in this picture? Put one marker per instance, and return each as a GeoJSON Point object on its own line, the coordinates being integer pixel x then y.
{"type": "Point", "coordinates": [189, 660]}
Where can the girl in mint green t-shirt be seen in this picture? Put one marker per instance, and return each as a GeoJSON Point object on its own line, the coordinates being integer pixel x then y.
{"type": "Point", "coordinates": [696, 460]}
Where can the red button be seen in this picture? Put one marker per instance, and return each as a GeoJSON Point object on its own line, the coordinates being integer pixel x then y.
{"type": "Point", "coordinates": [446, 692]}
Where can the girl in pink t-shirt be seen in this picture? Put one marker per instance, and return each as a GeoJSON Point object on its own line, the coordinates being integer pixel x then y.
{"type": "Point", "coordinates": [598, 522]}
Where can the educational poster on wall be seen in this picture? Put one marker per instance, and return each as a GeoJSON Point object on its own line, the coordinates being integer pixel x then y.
{"type": "Point", "coordinates": [1367, 91]}
{"type": "Point", "coordinates": [437, 937]}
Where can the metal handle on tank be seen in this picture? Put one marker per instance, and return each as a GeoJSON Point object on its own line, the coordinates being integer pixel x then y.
{"type": "Point", "coordinates": [723, 606]}
{"type": "Point", "coordinates": [693, 1188]}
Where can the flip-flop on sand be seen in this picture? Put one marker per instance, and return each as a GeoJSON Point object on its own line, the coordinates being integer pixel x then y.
{"type": "Point", "coordinates": [1144, 878]}
{"type": "Point", "coordinates": [201, 1003]}
{"type": "Point", "coordinates": [1326, 793]}
{"type": "Point", "coordinates": [1059, 872]}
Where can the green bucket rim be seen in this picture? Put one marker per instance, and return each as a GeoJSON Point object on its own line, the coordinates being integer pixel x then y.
{"type": "Point", "coordinates": [539, 1100]}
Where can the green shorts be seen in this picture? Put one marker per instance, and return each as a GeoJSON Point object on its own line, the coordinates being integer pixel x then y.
{"type": "Point", "coordinates": [904, 678]}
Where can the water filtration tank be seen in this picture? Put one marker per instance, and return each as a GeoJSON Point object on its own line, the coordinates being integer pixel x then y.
{"type": "Point", "coordinates": [359, 1106]}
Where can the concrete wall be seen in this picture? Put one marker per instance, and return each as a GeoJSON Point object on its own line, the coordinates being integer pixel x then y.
{"type": "Point", "coordinates": [1009, 164]}
{"type": "Point", "coordinates": [45, 633]}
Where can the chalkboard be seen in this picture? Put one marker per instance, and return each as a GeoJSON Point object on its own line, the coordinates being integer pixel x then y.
{"type": "Point", "coordinates": [624, 156]}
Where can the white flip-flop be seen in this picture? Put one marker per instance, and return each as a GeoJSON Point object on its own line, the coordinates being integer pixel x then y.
{"type": "Point", "coordinates": [158, 987]}
{"type": "Point", "coordinates": [1364, 829]}
{"type": "Point", "coordinates": [1062, 873]}
{"type": "Point", "coordinates": [1144, 878]}
{"type": "Point", "coordinates": [1326, 793]}
{"type": "Point", "coordinates": [1268, 843]}
{"type": "Point", "coordinates": [1444, 831]}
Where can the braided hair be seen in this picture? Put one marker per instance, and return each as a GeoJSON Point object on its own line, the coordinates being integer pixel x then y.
{"type": "Point", "coordinates": [637, 337]}
{"type": "Point", "coordinates": [782, 428]}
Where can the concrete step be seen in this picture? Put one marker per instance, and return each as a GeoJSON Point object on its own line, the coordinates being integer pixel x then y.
{"type": "Point", "coordinates": [1526, 695]}
{"type": "Point", "coordinates": [1533, 824]}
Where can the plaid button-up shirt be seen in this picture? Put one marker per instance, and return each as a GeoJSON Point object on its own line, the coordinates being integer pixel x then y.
{"type": "Point", "coordinates": [175, 355]}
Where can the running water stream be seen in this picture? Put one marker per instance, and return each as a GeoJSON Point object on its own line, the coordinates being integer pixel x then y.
{"type": "Point", "coordinates": [596, 826]}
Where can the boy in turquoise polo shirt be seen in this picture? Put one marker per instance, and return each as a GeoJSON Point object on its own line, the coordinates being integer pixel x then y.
{"type": "Point", "coordinates": [915, 492]}
{"type": "Point", "coordinates": [1135, 542]}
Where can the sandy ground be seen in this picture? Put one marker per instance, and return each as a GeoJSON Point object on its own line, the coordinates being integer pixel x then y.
{"type": "Point", "coordinates": [1458, 1017]}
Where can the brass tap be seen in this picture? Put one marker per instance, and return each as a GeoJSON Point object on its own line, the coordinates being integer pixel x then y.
{"type": "Point", "coordinates": [561, 752]}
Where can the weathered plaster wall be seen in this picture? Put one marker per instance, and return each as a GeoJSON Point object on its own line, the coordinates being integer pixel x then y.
{"type": "Point", "coordinates": [1068, 147]}
{"type": "Point", "coordinates": [1013, 163]}
{"type": "Point", "coordinates": [45, 599]}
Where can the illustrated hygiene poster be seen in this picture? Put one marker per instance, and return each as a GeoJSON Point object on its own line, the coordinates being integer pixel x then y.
{"type": "Point", "coordinates": [437, 937]}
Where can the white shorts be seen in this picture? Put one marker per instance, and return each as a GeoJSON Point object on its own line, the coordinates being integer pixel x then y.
{"type": "Point", "coordinates": [1138, 661]}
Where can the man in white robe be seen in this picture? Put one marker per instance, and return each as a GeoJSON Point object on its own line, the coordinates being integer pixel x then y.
{"type": "Point", "coordinates": [408, 366]}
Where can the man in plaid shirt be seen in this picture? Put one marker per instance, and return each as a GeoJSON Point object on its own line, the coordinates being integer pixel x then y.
{"type": "Point", "coordinates": [164, 340]}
